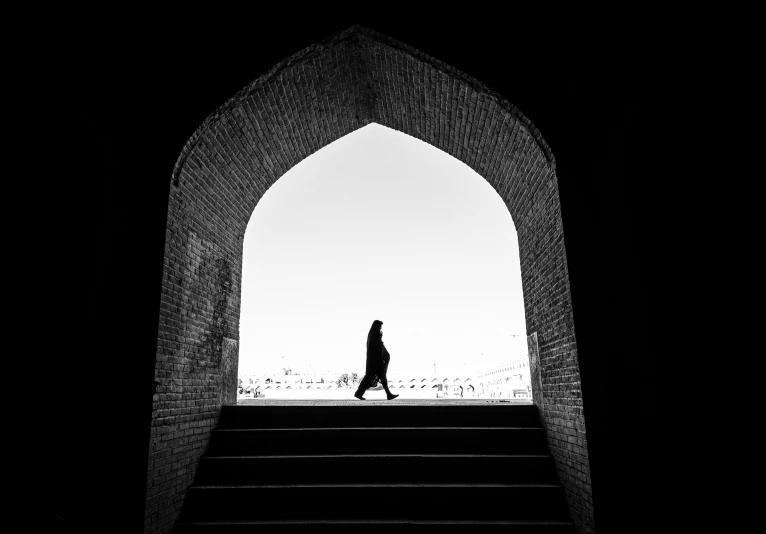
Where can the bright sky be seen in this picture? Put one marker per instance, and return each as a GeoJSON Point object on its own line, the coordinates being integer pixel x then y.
{"type": "Point", "coordinates": [380, 225]}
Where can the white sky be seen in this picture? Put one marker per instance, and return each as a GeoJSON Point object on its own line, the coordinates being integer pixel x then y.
{"type": "Point", "coordinates": [380, 225]}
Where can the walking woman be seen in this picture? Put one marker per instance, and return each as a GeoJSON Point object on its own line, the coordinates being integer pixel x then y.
{"type": "Point", "coordinates": [377, 362]}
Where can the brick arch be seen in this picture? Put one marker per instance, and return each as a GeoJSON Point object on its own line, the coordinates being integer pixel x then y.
{"type": "Point", "coordinates": [304, 103]}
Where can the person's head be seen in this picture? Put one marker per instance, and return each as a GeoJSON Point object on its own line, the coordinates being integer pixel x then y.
{"type": "Point", "coordinates": [376, 330]}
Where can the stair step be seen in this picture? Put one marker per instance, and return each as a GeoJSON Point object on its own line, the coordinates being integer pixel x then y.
{"type": "Point", "coordinates": [516, 527]}
{"type": "Point", "coordinates": [384, 464]}
{"type": "Point", "coordinates": [390, 415]}
{"type": "Point", "coordinates": [388, 468]}
{"type": "Point", "coordinates": [361, 501]}
{"type": "Point", "coordinates": [436, 440]}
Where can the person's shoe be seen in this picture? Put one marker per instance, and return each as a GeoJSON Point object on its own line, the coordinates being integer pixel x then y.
{"type": "Point", "coordinates": [392, 396]}
{"type": "Point", "coordinates": [358, 396]}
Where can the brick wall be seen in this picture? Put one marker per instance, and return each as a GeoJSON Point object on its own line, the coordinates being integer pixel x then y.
{"type": "Point", "coordinates": [304, 103]}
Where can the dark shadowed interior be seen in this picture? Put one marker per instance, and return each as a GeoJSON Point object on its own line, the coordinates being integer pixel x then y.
{"type": "Point", "coordinates": [146, 192]}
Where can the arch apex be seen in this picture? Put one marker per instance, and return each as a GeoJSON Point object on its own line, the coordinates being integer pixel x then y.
{"type": "Point", "coordinates": [359, 75]}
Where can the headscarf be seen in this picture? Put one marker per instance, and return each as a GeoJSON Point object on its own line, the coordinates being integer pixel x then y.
{"type": "Point", "coordinates": [374, 339]}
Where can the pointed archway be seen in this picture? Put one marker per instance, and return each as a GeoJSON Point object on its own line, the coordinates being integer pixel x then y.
{"type": "Point", "coordinates": [304, 103]}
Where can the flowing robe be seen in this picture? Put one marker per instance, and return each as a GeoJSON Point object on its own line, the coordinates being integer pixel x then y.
{"type": "Point", "coordinates": [377, 362]}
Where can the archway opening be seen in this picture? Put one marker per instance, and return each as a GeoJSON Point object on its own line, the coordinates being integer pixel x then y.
{"type": "Point", "coordinates": [382, 225]}
{"type": "Point", "coordinates": [303, 104]}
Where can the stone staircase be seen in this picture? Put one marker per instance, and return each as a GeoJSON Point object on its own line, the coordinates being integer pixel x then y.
{"type": "Point", "coordinates": [365, 464]}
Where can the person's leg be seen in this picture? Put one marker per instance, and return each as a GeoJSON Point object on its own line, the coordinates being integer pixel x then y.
{"type": "Point", "coordinates": [384, 381]}
{"type": "Point", "coordinates": [363, 385]}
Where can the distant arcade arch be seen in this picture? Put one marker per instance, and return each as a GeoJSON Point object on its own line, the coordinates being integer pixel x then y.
{"type": "Point", "coordinates": [304, 103]}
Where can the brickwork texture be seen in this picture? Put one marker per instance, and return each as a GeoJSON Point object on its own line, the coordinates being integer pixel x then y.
{"type": "Point", "coordinates": [307, 101]}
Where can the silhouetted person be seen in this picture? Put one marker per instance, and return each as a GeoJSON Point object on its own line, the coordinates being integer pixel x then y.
{"type": "Point", "coordinates": [377, 362]}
